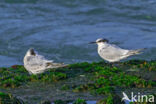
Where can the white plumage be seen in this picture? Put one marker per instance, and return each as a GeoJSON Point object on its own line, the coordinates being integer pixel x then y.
{"type": "Point", "coordinates": [112, 53]}
{"type": "Point", "coordinates": [36, 64]}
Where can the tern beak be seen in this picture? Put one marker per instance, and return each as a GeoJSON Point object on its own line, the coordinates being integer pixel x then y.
{"type": "Point", "coordinates": [92, 42]}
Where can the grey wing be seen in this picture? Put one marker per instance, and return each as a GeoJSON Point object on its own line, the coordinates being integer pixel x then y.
{"type": "Point", "coordinates": [42, 58]}
{"type": "Point", "coordinates": [36, 64]}
{"type": "Point", "coordinates": [113, 52]}
{"type": "Point", "coordinates": [33, 61]}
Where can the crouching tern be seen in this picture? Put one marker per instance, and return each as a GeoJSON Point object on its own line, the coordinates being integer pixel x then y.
{"type": "Point", "coordinates": [113, 53]}
{"type": "Point", "coordinates": [36, 64]}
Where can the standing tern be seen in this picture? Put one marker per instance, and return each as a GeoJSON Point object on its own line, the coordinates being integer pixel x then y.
{"type": "Point", "coordinates": [113, 53]}
{"type": "Point", "coordinates": [36, 64]}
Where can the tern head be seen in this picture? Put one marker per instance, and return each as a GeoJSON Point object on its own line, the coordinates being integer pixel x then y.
{"type": "Point", "coordinates": [100, 40]}
{"type": "Point", "coordinates": [31, 52]}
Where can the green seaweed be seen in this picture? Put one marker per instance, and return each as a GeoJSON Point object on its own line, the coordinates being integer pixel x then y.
{"type": "Point", "coordinates": [80, 101]}
{"type": "Point", "coordinates": [104, 90]}
{"type": "Point", "coordinates": [106, 78]}
{"type": "Point", "coordinates": [9, 99]}
{"type": "Point", "coordinates": [84, 88]}
{"type": "Point", "coordinates": [65, 87]}
{"type": "Point", "coordinates": [16, 76]}
{"type": "Point", "coordinates": [111, 99]}
{"type": "Point", "coordinates": [104, 74]}
{"type": "Point", "coordinates": [102, 78]}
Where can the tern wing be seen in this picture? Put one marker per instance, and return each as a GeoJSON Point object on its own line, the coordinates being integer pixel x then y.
{"type": "Point", "coordinates": [117, 49]}
{"type": "Point", "coordinates": [37, 61]}
{"type": "Point", "coordinates": [113, 53]}
{"type": "Point", "coordinates": [40, 57]}
{"type": "Point", "coordinates": [34, 61]}
{"type": "Point", "coordinates": [33, 65]}
{"type": "Point", "coordinates": [49, 63]}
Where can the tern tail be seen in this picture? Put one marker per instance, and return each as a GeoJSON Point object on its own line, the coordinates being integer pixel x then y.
{"type": "Point", "coordinates": [135, 52]}
{"type": "Point", "coordinates": [56, 65]}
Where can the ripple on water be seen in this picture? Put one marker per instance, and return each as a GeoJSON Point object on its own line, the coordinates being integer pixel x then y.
{"type": "Point", "coordinates": [54, 24]}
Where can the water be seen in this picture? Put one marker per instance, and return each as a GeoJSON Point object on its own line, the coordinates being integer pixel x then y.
{"type": "Point", "coordinates": [60, 29]}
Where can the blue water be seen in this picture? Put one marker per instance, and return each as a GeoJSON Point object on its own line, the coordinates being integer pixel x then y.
{"type": "Point", "coordinates": [61, 29]}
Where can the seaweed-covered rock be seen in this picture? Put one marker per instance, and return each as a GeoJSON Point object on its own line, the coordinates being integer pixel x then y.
{"type": "Point", "coordinates": [16, 76]}
{"type": "Point", "coordinates": [80, 101]}
{"type": "Point", "coordinates": [9, 99]}
{"type": "Point", "coordinates": [98, 78]}
{"type": "Point", "coordinates": [45, 102]}
{"type": "Point", "coordinates": [111, 99]}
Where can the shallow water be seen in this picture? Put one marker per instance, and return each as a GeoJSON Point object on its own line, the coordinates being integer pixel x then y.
{"type": "Point", "coordinates": [61, 30]}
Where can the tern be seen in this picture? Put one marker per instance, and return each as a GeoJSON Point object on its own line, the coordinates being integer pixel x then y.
{"type": "Point", "coordinates": [36, 64]}
{"type": "Point", "coordinates": [113, 53]}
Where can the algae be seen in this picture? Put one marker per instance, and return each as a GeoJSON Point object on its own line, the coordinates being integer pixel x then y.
{"type": "Point", "coordinates": [89, 81]}
{"type": "Point", "coordinates": [80, 101]}
{"type": "Point", "coordinates": [16, 76]}
{"type": "Point", "coordinates": [9, 99]}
